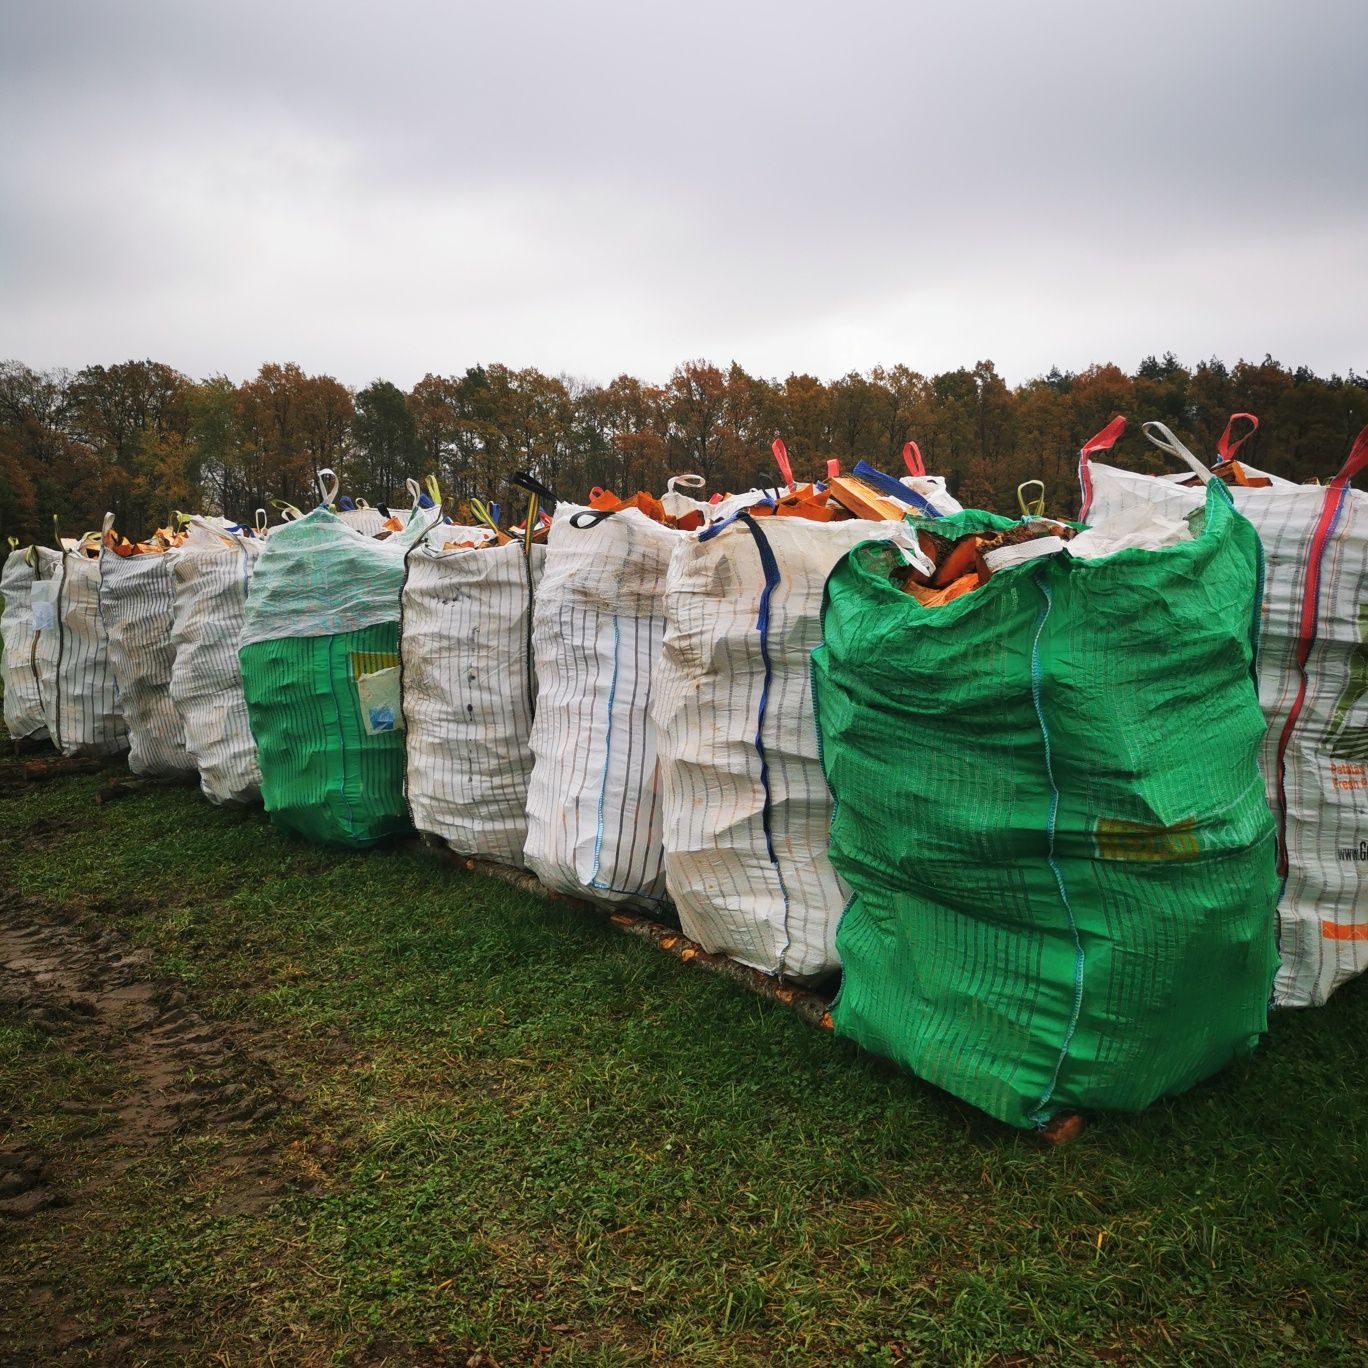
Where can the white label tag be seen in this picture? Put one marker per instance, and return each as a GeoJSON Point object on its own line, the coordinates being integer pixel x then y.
{"type": "Point", "coordinates": [379, 696]}
{"type": "Point", "coordinates": [43, 605]}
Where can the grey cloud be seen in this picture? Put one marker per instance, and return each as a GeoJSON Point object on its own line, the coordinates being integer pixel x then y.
{"type": "Point", "coordinates": [593, 188]}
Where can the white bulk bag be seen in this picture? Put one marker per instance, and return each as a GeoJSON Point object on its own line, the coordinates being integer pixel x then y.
{"type": "Point", "coordinates": [747, 810]}
{"type": "Point", "coordinates": [23, 701]}
{"type": "Point", "coordinates": [468, 689]}
{"type": "Point", "coordinates": [137, 603]}
{"type": "Point", "coordinates": [75, 678]}
{"type": "Point", "coordinates": [593, 801]}
{"type": "Point", "coordinates": [210, 573]}
{"type": "Point", "coordinates": [930, 497]}
{"type": "Point", "coordinates": [1313, 685]}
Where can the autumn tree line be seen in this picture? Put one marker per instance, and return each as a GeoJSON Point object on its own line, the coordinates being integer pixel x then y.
{"type": "Point", "coordinates": [141, 439]}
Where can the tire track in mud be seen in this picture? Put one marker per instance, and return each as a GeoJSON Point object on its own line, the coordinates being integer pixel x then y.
{"type": "Point", "coordinates": [180, 1074]}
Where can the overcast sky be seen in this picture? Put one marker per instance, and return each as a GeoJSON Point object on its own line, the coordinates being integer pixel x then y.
{"type": "Point", "coordinates": [387, 189]}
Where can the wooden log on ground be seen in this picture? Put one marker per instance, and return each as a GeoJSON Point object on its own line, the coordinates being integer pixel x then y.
{"type": "Point", "coordinates": [811, 1006]}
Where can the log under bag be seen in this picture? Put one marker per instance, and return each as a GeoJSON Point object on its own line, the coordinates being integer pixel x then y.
{"type": "Point", "coordinates": [320, 671]}
{"type": "Point", "coordinates": [1049, 808]}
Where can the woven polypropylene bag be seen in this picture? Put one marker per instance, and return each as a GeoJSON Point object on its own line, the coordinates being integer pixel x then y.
{"type": "Point", "coordinates": [1313, 687]}
{"type": "Point", "coordinates": [746, 806]}
{"type": "Point", "coordinates": [468, 692]}
{"type": "Point", "coordinates": [23, 701]}
{"type": "Point", "coordinates": [137, 604]}
{"type": "Point", "coordinates": [322, 622]}
{"type": "Point", "coordinates": [211, 572]}
{"type": "Point", "coordinates": [1049, 808]}
{"type": "Point", "coordinates": [593, 800]}
{"type": "Point", "coordinates": [75, 678]}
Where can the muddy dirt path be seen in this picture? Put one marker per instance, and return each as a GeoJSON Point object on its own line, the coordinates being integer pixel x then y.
{"type": "Point", "coordinates": [175, 1073]}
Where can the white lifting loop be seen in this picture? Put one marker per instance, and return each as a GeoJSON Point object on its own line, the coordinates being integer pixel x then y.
{"type": "Point", "coordinates": [328, 485]}
{"type": "Point", "coordinates": [1166, 441]}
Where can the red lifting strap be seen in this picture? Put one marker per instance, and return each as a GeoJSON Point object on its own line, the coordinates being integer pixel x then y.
{"type": "Point", "coordinates": [1106, 439]}
{"type": "Point", "coordinates": [912, 459]}
{"type": "Point", "coordinates": [1357, 460]}
{"type": "Point", "coordinates": [781, 455]}
{"type": "Point", "coordinates": [1225, 448]}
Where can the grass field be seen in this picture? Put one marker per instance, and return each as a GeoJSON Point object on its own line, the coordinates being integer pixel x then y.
{"type": "Point", "coordinates": [277, 1104]}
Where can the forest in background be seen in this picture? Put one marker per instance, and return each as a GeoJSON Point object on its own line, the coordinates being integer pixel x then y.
{"type": "Point", "coordinates": [141, 439]}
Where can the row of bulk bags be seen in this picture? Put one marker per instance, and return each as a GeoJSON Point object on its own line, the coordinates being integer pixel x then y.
{"type": "Point", "coordinates": [320, 671]}
{"type": "Point", "coordinates": [1049, 808]}
{"type": "Point", "coordinates": [75, 678]}
{"type": "Point", "coordinates": [23, 699]}
{"type": "Point", "coordinates": [211, 572]}
{"type": "Point", "coordinates": [1313, 687]}
{"type": "Point", "coordinates": [137, 607]}
{"type": "Point", "coordinates": [469, 689]}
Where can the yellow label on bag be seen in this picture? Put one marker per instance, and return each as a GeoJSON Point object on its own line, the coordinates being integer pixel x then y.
{"type": "Point", "coordinates": [371, 662]}
{"type": "Point", "coordinates": [1118, 840]}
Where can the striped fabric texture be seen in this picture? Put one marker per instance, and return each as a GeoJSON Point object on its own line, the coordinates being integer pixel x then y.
{"type": "Point", "coordinates": [323, 775]}
{"type": "Point", "coordinates": [747, 810]}
{"type": "Point", "coordinates": [1315, 542]}
{"type": "Point", "coordinates": [210, 573]}
{"type": "Point", "coordinates": [23, 701]}
{"type": "Point", "coordinates": [468, 690]}
{"type": "Point", "coordinates": [75, 679]}
{"type": "Point", "coordinates": [318, 576]}
{"type": "Point", "coordinates": [593, 801]}
{"type": "Point", "coordinates": [137, 604]}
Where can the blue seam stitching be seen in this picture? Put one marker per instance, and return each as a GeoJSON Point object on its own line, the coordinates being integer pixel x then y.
{"type": "Point", "coordinates": [607, 759]}
{"type": "Point", "coordinates": [770, 566]}
{"type": "Point", "coordinates": [1037, 1115]}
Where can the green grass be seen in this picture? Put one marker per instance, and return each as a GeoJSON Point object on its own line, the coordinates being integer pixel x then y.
{"type": "Point", "coordinates": [518, 1133]}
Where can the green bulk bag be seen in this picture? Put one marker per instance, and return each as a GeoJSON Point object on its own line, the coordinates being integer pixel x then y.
{"type": "Point", "coordinates": [320, 673]}
{"type": "Point", "coordinates": [1049, 810]}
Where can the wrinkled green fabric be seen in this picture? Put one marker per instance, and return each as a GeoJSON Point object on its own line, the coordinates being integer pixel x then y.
{"type": "Point", "coordinates": [1050, 813]}
{"type": "Point", "coordinates": [322, 776]}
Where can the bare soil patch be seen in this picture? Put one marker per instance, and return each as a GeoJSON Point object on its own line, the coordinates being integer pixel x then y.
{"type": "Point", "coordinates": [94, 993]}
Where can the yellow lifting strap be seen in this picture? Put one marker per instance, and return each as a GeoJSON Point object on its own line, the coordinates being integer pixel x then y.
{"type": "Point", "coordinates": [1034, 507]}
{"type": "Point", "coordinates": [478, 508]}
{"type": "Point", "coordinates": [533, 507]}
